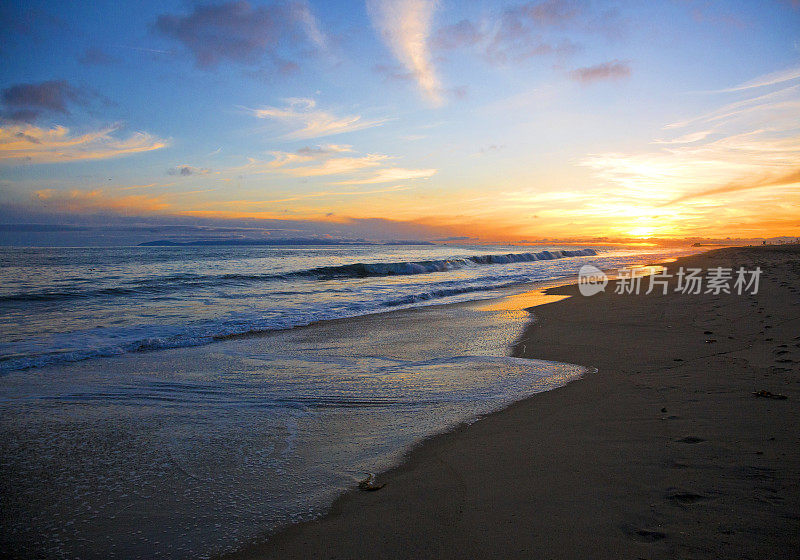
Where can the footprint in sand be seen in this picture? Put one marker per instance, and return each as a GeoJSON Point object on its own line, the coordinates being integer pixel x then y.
{"type": "Point", "coordinates": [645, 535]}
{"type": "Point", "coordinates": [691, 439]}
{"type": "Point", "coordinates": [687, 497]}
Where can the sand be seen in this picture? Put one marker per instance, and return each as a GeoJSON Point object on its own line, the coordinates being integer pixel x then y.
{"type": "Point", "coordinates": [663, 453]}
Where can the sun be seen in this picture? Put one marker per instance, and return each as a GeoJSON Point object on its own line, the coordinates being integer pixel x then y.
{"type": "Point", "coordinates": [642, 232]}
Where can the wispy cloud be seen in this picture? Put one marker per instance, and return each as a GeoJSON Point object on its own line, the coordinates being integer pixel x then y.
{"type": "Point", "coordinates": [391, 174]}
{"type": "Point", "coordinates": [405, 27]}
{"type": "Point", "coordinates": [765, 81]}
{"type": "Point", "coordinates": [307, 121]}
{"type": "Point", "coordinates": [332, 160]}
{"type": "Point", "coordinates": [332, 166]}
{"type": "Point", "coordinates": [144, 49]}
{"type": "Point", "coordinates": [687, 138]}
{"type": "Point", "coordinates": [786, 98]}
{"type": "Point", "coordinates": [792, 178]}
{"type": "Point", "coordinates": [301, 12]}
{"type": "Point", "coordinates": [317, 161]}
{"type": "Point", "coordinates": [145, 186]}
{"type": "Point", "coordinates": [317, 194]}
{"type": "Point", "coordinates": [307, 154]}
{"type": "Point", "coordinates": [31, 144]}
{"type": "Point", "coordinates": [611, 70]}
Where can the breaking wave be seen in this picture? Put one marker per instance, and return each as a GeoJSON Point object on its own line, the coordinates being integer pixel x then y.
{"type": "Point", "coordinates": [362, 270]}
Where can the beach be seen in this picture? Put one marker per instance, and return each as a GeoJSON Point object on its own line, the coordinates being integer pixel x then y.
{"type": "Point", "coordinates": [665, 452]}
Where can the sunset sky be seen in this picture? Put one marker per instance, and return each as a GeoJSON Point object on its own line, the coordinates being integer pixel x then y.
{"type": "Point", "coordinates": [406, 119]}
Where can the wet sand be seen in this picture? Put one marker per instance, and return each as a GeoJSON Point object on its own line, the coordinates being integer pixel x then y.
{"type": "Point", "coordinates": [664, 453]}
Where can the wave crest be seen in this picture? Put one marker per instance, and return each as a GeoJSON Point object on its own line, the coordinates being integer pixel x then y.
{"type": "Point", "coordinates": [362, 270]}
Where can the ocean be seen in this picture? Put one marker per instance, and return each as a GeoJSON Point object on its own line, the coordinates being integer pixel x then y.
{"type": "Point", "coordinates": [179, 402]}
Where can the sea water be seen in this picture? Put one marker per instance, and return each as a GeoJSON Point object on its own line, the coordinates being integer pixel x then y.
{"type": "Point", "coordinates": [133, 425]}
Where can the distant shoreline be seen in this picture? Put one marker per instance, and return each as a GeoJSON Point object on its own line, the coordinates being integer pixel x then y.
{"type": "Point", "coordinates": [269, 242]}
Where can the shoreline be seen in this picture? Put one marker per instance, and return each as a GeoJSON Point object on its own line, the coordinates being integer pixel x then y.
{"type": "Point", "coordinates": [640, 456]}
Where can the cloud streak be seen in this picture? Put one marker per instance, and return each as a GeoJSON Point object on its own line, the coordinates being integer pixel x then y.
{"type": "Point", "coordinates": [786, 97]}
{"type": "Point", "coordinates": [331, 160]}
{"type": "Point", "coordinates": [391, 174]}
{"type": "Point", "coordinates": [318, 161]}
{"type": "Point", "coordinates": [307, 121]}
{"type": "Point", "coordinates": [302, 13]}
{"type": "Point", "coordinates": [405, 26]}
{"type": "Point", "coordinates": [31, 144]}
{"type": "Point", "coordinates": [319, 194]}
{"type": "Point", "coordinates": [331, 166]}
{"type": "Point", "coordinates": [766, 80]}
{"type": "Point", "coordinates": [792, 178]}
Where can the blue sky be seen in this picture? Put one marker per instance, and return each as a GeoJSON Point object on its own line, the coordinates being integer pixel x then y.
{"type": "Point", "coordinates": [499, 120]}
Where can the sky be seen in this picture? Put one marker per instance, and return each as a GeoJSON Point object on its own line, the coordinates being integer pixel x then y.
{"type": "Point", "coordinates": [510, 122]}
